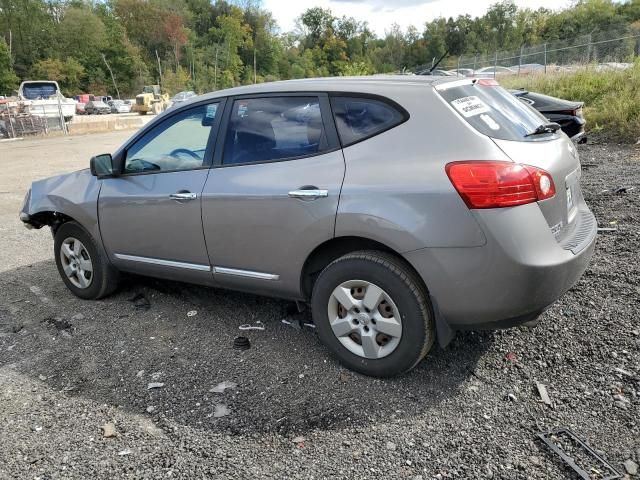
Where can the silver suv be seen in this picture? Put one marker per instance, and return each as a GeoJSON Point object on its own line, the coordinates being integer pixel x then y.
{"type": "Point", "coordinates": [401, 208]}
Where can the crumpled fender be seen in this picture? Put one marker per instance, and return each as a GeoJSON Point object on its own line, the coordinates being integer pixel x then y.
{"type": "Point", "coordinates": [72, 194]}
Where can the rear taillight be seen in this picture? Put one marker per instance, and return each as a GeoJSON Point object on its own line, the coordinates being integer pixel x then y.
{"type": "Point", "coordinates": [487, 184]}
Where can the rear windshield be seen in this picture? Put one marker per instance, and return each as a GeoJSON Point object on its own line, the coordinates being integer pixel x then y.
{"type": "Point", "coordinates": [36, 91]}
{"type": "Point", "coordinates": [493, 111]}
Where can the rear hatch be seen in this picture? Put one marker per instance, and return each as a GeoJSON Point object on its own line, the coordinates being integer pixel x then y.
{"type": "Point", "coordinates": [493, 111]}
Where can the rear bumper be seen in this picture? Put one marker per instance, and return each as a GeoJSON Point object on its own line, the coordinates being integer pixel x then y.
{"type": "Point", "coordinates": [514, 277]}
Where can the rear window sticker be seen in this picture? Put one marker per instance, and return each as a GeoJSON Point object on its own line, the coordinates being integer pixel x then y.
{"type": "Point", "coordinates": [470, 106]}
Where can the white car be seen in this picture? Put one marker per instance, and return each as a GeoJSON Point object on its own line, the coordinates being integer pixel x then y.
{"type": "Point", "coordinates": [492, 72]}
{"type": "Point", "coordinates": [119, 106]}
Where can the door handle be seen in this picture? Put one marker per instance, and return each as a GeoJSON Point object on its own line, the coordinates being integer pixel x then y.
{"type": "Point", "coordinates": [183, 196]}
{"type": "Point", "coordinates": [310, 194]}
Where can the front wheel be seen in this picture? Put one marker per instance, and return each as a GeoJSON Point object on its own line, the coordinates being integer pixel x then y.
{"type": "Point", "coordinates": [84, 270]}
{"type": "Point", "coordinates": [372, 311]}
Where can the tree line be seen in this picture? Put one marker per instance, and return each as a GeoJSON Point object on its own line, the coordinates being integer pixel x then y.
{"type": "Point", "coordinates": [205, 45]}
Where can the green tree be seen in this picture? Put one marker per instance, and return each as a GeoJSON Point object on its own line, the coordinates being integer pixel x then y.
{"type": "Point", "coordinates": [8, 78]}
{"type": "Point", "coordinates": [68, 73]}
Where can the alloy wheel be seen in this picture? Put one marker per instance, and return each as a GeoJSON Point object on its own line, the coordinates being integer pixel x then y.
{"type": "Point", "coordinates": [76, 262]}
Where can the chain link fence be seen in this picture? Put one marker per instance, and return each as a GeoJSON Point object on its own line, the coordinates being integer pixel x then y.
{"type": "Point", "coordinates": [612, 50]}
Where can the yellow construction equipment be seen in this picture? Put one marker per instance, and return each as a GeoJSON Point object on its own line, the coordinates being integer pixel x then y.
{"type": "Point", "coordinates": [151, 100]}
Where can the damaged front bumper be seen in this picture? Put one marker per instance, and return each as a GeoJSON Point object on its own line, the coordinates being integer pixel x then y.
{"type": "Point", "coordinates": [25, 217]}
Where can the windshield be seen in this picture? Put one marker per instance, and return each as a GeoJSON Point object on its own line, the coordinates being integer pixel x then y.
{"type": "Point", "coordinates": [35, 91]}
{"type": "Point", "coordinates": [493, 111]}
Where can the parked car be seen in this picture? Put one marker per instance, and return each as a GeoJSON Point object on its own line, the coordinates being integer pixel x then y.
{"type": "Point", "coordinates": [462, 72]}
{"type": "Point", "coordinates": [181, 97]}
{"type": "Point", "coordinates": [401, 208]}
{"type": "Point", "coordinates": [437, 71]}
{"type": "Point", "coordinates": [493, 72]}
{"type": "Point", "coordinates": [119, 106]}
{"type": "Point", "coordinates": [563, 112]}
{"type": "Point", "coordinates": [97, 107]}
{"type": "Point", "coordinates": [528, 68]}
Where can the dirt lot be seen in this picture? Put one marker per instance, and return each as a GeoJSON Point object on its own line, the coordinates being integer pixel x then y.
{"type": "Point", "coordinates": [69, 367]}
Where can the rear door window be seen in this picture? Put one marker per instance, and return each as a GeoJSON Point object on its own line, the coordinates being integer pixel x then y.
{"type": "Point", "coordinates": [493, 111]}
{"type": "Point", "coordinates": [274, 128]}
{"type": "Point", "coordinates": [358, 118]}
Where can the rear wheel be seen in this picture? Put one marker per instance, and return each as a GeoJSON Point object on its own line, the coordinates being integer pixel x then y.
{"type": "Point", "coordinates": [373, 313]}
{"type": "Point", "coordinates": [84, 270]}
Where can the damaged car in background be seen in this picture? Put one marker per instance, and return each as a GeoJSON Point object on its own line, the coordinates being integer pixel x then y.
{"type": "Point", "coordinates": [569, 115]}
{"type": "Point", "coordinates": [402, 209]}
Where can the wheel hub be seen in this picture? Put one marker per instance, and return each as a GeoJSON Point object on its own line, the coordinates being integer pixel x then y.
{"type": "Point", "coordinates": [364, 319]}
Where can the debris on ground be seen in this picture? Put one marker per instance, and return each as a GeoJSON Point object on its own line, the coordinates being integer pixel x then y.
{"type": "Point", "coordinates": [294, 323]}
{"type": "Point", "coordinates": [299, 440]}
{"type": "Point", "coordinates": [607, 229]}
{"type": "Point", "coordinates": [58, 323]}
{"type": "Point", "coordinates": [220, 411]}
{"type": "Point", "coordinates": [511, 357]}
{"type": "Point", "coordinates": [578, 455]}
{"type": "Point", "coordinates": [631, 467]}
{"type": "Point", "coordinates": [140, 301]}
{"type": "Point", "coordinates": [192, 313]}
{"type": "Point", "coordinates": [222, 386]}
{"type": "Point", "coordinates": [624, 372]}
{"type": "Point", "coordinates": [241, 343]}
{"type": "Point", "coordinates": [109, 430]}
{"type": "Point", "coordinates": [153, 385]}
{"type": "Point", "coordinates": [544, 395]}
{"type": "Point", "coordinates": [151, 409]}
{"type": "Point", "coordinates": [124, 452]}
{"type": "Point", "coordinates": [247, 326]}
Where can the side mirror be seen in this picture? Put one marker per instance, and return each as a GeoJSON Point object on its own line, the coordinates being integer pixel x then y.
{"type": "Point", "coordinates": [102, 166]}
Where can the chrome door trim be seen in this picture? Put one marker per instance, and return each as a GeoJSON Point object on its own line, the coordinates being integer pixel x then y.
{"type": "Point", "coordinates": [309, 194]}
{"type": "Point", "coordinates": [245, 273]}
{"type": "Point", "coordinates": [183, 196]}
{"type": "Point", "coordinates": [164, 263]}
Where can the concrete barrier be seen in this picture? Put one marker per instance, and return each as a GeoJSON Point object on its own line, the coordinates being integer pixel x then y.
{"type": "Point", "coordinates": [107, 123]}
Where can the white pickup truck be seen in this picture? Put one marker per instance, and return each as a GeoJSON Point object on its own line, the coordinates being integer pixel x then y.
{"type": "Point", "coordinates": [44, 99]}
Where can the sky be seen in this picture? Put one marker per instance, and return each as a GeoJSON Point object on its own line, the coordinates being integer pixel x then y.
{"type": "Point", "coordinates": [382, 13]}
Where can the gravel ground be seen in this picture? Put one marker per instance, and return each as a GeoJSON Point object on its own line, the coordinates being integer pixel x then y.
{"type": "Point", "coordinates": [69, 367]}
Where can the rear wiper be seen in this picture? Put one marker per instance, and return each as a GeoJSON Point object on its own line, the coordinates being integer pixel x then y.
{"type": "Point", "coordinates": [550, 127]}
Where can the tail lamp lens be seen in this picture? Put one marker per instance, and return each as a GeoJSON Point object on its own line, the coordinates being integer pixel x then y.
{"type": "Point", "coordinates": [488, 184]}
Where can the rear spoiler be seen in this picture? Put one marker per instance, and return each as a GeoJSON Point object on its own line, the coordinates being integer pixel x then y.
{"type": "Point", "coordinates": [489, 82]}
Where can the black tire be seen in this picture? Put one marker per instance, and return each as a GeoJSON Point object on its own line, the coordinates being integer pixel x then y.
{"type": "Point", "coordinates": [104, 278]}
{"type": "Point", "coordinates": [402, 284]}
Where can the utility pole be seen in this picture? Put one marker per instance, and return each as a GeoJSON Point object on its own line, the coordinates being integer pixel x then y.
{"type": "Point", "coordinates": [255, 75]}
{"type": "Point", "coordinates": [215, 71]}
{"type": "Point", "coordinates": [104, 58]}
{"type": "Point", "coordinates": [10, 44]}
{"type": "Point", "coordinates": [520, 59]}
{"type": "Point", "coordinates": [159, 70]}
